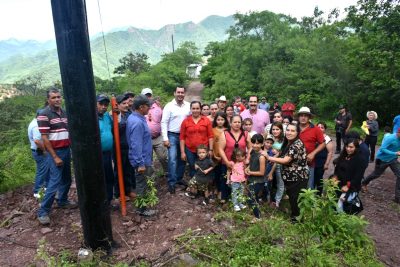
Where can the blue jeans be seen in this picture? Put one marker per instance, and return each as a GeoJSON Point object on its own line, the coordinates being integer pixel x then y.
{"type": "Point", "coordinates": [280, 185]}
{"type": "Point", "coordinates": [191, 159]}
{"type": "Point", "coordinates": [176, 166]}
{"type": "Point", "coordinates": [108, 174]}
{"type": "Point", "coordinates": [42, 171]}
{"type": "Point", "coordinates": [59, 180]}
{"type": "Point", "coordinates": [237, 193]}
{"type": "Point", "coordinates": [254, 191]}
{"type": "Point", "coordinates": [310, 183]}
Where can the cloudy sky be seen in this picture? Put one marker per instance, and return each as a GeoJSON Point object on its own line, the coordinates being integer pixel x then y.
{"type": "Point", "coordinates": [32, 19]}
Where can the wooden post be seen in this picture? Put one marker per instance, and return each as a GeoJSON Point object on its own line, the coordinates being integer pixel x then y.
{"type": "Point", "coordinates": [70, 24]}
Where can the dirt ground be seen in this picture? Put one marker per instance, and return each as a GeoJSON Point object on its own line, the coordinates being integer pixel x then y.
{"type": "Point", "coordinates": [153, 239]}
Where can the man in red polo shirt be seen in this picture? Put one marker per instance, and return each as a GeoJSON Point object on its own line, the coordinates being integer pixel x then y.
{"type": "Point", "coordinates": [313, 140]}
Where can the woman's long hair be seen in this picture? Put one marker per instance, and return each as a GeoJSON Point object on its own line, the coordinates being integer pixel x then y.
{"type": "Point", "coordinates": [343, 155]}
{"type": "Point", "coordinates": [280, 126]}
{"type": "Point", "coordinates": [222, 115]}
{"type": "Point", "coordinates": [286, 144]}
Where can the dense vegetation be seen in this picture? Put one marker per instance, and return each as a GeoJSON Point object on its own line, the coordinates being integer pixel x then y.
{"type": "Point", "coordinates": [315, 61]}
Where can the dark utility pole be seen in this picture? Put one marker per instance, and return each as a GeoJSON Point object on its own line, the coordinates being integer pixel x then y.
{"type": "Point", "coordinates": [70, 23]}
{"type": "Point", "coordinates": [173, 46]}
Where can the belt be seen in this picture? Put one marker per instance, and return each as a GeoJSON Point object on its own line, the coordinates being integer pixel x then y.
{"type": "Point", "coordinates": [172, 132]}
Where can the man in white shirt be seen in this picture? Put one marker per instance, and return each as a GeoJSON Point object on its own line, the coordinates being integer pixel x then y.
{"type": "Point", "coordinates": [173, 115]}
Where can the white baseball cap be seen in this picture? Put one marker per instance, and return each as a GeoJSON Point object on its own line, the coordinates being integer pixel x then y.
{"type": "Point", "coordinates": [222, 98]}
{"type": "Point", "coordinates": [146, 91]}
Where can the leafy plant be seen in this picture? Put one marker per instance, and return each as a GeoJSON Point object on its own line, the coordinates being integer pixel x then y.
{"type": "Point", "coordinates": [149, 199]}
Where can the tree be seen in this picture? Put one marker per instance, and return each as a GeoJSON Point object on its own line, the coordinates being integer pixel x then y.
{"type": "Point", "coordinates": [31, 85]}
{"type": "Point", "coordinates": [133, 63]}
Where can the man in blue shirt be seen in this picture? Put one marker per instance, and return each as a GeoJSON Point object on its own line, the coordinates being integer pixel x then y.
{"type": "Point", "coordinates": [107, 142]}
{"type": "Point", "coordinates": [263, 104]}
{"type": "Point", "coordinates": [387, 157]}
{"type": "Point", "coordinates": [138, 136]}
{"type": "Point", "coordinates": [40, 155]}
{"type": "Point", "coordinates": [396, 123]}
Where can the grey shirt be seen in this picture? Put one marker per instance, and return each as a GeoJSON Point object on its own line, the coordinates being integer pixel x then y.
{"type": "Point", "coordinates": [373, 127]}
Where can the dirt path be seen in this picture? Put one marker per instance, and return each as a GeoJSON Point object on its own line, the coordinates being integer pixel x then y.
{"type": "Point", "coordinates": [152, 239]}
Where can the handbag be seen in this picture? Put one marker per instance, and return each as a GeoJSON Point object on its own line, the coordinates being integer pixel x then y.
{"type": "Point", "coordinates": [353, 206]}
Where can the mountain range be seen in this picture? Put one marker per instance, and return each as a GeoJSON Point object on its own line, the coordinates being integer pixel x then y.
{"type": "Point", "coordinates": [19, 59]}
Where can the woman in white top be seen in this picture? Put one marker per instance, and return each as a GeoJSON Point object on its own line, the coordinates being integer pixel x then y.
{"type": "Point", "coordinates": [323, 159]}
{"type": "Point", "coordinates": [277, 117]}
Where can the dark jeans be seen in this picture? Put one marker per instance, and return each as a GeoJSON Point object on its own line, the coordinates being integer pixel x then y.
{"type": "Point", "coordinates": [380, 167]}
{"type": "Point", "coordinates": [254, 192]}
{"type": "Point", "coordinates": [42, 170]}
{"type": "Point", "coordinates": [176, 166]}
{"type": "Point", "coordinates": [59, 181]}
{"type": "Point", "coordinates": [108, 174]}
{"type": "Point", "coordinates": [371, 143]}
{"type": "Point", "coordinates": [293, 190]}
{"type": "Point", "coordinates": [128, 174]}
{"type": "Point", "coordinates": [319, 178]}
{"type": "Point", "coordinates": [339, 137]}
{"type": "Point", "coordinates": [223, 187]}
{"type": "Point", "coordinates": [141, 180]}
{"type": "Point", "coordinates": [191, 159]}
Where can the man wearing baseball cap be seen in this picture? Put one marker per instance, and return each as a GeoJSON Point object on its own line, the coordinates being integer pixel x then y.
{"type": "Point", "coordinates": [107, 142]}
{"type": "Point", "coordinates": [387, 156]}
{"type": "Point", "coordinates": [310, 135]}
{"type": "Point", "coordinates": [153, 119]}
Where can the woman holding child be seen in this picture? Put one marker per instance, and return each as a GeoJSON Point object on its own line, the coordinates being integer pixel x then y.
{"type": "Point", "coordinates": [233, 138]}
{"type": "Point", "coordinates": [293, 159]}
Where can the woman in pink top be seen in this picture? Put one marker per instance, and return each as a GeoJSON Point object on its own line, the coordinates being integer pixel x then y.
{"type": "Point", "coordinates": [231, 139]}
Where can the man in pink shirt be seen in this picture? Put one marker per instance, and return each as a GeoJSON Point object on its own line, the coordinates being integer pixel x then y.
{"type": "Point", "coordinates": [153, 119]}
{"type": "Point", "coordinates": [259, 117]}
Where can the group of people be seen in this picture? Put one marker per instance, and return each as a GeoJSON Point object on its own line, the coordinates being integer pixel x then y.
{"type": "Point", "coordinates": [233, 151]}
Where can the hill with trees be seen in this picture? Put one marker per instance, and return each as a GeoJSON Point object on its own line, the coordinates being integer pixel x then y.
{"type": "Point", "coordinates": [154, 43]}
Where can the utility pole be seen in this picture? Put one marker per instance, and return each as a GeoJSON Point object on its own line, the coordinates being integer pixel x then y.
{"type": "Point", "coordinates": [71, 29]}
{"type": "Point", "coordinates": [173, 47]}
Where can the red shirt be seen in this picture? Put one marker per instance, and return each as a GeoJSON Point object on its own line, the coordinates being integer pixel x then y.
{"type": "Point", "coordinates": [311, 137]}
{"type": "Point", "coordinates": [288, 109]}
{"type": "Point", "coordinates": [195, 134]}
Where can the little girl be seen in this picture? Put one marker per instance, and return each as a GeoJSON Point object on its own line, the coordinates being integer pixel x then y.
{"type": "Point", "coordinates": [255, 172]}
{"type": "Point", "coordinates": [248, 125]}
{"type": "Point", "coordinates": [237, 178]}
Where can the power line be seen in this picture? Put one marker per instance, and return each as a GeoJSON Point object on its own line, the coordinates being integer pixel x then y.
{"type": "Point", "coordinates": [104, 40]}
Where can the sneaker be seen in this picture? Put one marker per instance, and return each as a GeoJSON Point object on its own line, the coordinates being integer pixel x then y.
{"type": "Point", "coordinates": [182, 182]}
{"type": "Point", "coordinates": [171, 189]}
{"type": "Point", "coordinates": [255, 220]}
{"type": "Point", "coordinates": [44, 220]}
{"type": "Point", "coordinates": [364, 188]}
{"type": "Point", "coordinates": [190, 195]}
{"type": "Point", "coordinates": [236, 208]}
{"type": "Point", "coordinates": [146, 212]}
{"type": "Point", "coordinates": [242, 207]}
{"type": "Point", "coordinates": [69, 205]}
{"type": "Point", "coordinates": [36, 195]}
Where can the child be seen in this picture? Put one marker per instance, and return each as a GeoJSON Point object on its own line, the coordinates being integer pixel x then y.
{"type": "Point", "coordinates": [247, 125]}
{"type": "Point", "coordinates": [237, 178]}
{"type": "Point", "coordinates": [201, 181]}
{"type": "Point", "coordinates": [256, 172]}
{"type": "Point", "coordinates": [268, 143]}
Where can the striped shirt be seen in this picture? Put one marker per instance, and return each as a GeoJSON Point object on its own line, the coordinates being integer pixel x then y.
{"type": "Point", "coordinates": [55, 126]}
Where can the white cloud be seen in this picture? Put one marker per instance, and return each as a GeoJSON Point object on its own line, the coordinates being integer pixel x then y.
{"type": "Point", "coordinates": [27, 19]}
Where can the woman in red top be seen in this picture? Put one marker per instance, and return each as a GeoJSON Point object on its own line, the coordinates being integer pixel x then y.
{"type": "Point", "coordinates": [231, 139]}
{"type": "Point", "coordinates": [195, 130]}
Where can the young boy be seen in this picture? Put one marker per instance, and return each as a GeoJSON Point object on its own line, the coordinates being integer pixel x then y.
{"type": "Point", "coordinates": [202, 180]}
{"type": "Point", "coordinates": [269, 141]}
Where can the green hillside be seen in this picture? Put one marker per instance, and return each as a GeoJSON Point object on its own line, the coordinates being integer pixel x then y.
{"type": "Point", "coordinates": [154, 43]}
